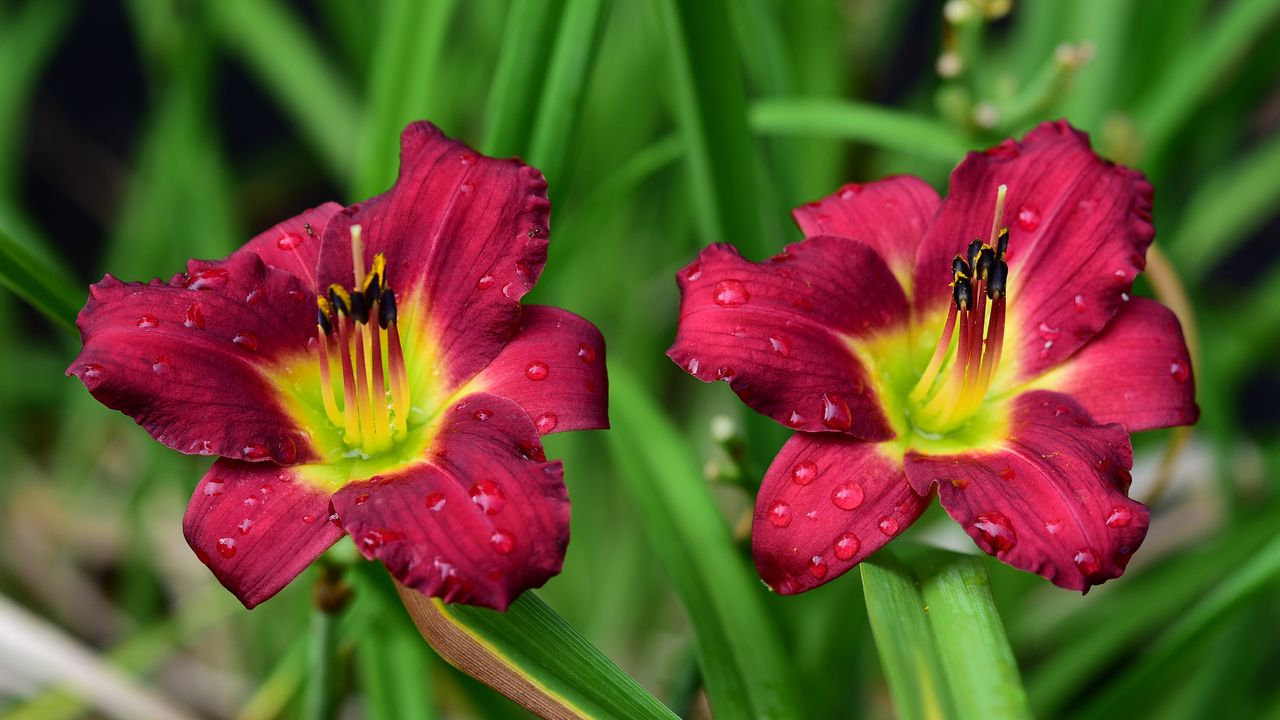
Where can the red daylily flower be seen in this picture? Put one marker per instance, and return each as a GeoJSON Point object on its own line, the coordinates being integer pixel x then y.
{"type": "Point", "coordinates": [405, 412]}
{"type": "Point", "coordinates": [1004, 375]}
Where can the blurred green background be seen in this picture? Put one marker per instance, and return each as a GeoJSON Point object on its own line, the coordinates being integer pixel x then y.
{"type": "Point", "coordinates": [137, 134]}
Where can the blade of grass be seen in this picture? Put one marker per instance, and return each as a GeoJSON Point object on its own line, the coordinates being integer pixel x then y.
{"type": "Point", "coordinates": [975, 654]}
{"type": "Point", "coordinates": [561, 103]}
{"type": "Point", "coordinates": [908, 652]}
{"type": "Point", "coordinates": [1192, 75]}
{"type": "Point", "coordinates": [277, 47]}
{"type": "Point", "coordinates": [45, 287]}
{"type": "Point", "coordinates": [531, 655]}
{"type": "Point", "coordinates": [404, 82]}
{"type": "Point", "coordinates": [746, 673]}
{"type": "Point", "coordinates": [527, 40]}
{"type": "Point", "coordinates": [710, 109]}
{"type": "Point", "coordinates": [846, 120]}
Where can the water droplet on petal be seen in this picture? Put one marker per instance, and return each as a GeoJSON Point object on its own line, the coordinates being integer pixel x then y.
{"type": "Point", "coordinates": [208, 279]}
{"type": "Point", "coordinates": [817, 567]}
{"type": "Point", "coordinates": [1078, 304]}
{"type": "Point", "coordinates": [485, 282]}
{"type": "Point", "coordinates": [693, 272]}
{"type": "Point", "coordinates": [289, 241]}
{"type": "Point", "coordinates": [91, 374]}
{"type": "Point", "coordinates": [503, 542]}
{"type": "Point", "coordinates": [835, 413]}
{"type": "Point", "coordinates": [729, 293]}
{"type": "Point", "coordinates": [781, 344]}
{"type": "Point", "coordinates": [1028, 218]}
{"type": "Point", "coordinates": [488, 496]}
{"type": "Point", "coordinates": [586, 353]}
{"type": "Point", "coordinates": [255, 452]}
{"type": "Point", "coordinates": [146, 322]}
{"type": "Point", "coordinates": [374, 538]}
{"type": "Point", "coordinates": [435, 501]}
{"type": "Point", "coordinates": [996, 531]}
{"type": "Point", "coordinates": [1086, 561]}
{"type": "Point", "coordinates": [213, 488]}
{"type": "Point", "coordinates": [482, 414]}
{"type": "Point", "coordinates": [160, 366]}
{"type": "Point", "coordinates": [1053, 527]}
{"type": "Point", "coordinates": [795, 419]}
{"type": "Point", "coordinates": [546, 422]}
{"type": "Point", "coordinates": [847, 545]}
{"type": "Point", "coordinates": [537, 370]}
{"type": "Point", "coordinates": [253, 297]}
{"type": "Point", "coordinates": [1048, 332]}
{"type": "Point", "coordinates": [1179, 371]}
{"type": "Point", "coordinates": [245, 526]}
{"type": "Point", "coordinates": [1119, 517]}
{"type": "Point", "coordinates": [246, 339]}
{"type": "Point", "coordinates": [466, 188]}
{"type": "Point", "coordinates": [888, 525]}
{"type": "Point", "coordinates": [1007, 473]}
{"type": "Point", "coordinates": [804, 472]}
{"type": "Point", "coordinates": [362, 498]}
{"type": "Point", "coordinates": [227, 547]}
{"type": "Point", "coordinates": [780, 513]}
{"type": "Point", "coordinates": [194, 317]}
{"type": "Point", "coordinates": [847, 496]}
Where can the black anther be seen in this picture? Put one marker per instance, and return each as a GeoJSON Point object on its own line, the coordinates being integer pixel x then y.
{"type": "Point", "coordinates": [962, 294]}
{"type": "Point", "coordinates": [359, 310]}
{"type": "Point", "coordinates": [996, 284]}
{"type": "Point", "coordinates": [386, 308]}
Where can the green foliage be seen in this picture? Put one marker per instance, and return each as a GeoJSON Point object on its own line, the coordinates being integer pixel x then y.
{"type": "Point", "coordinates": [662, 126]}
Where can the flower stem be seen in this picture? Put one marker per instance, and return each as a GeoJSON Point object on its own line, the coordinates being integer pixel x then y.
{"type": "Point", "coordinates": [330, 595]}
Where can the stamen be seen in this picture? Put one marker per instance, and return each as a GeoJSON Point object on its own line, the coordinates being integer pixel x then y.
{"type": "Point", "coordinates": [1001, 192]}
{"type": "Point", "coordinates": [325, 327]}
{"type": "Point", "coordinates": [361, 350]}
{"type": "Point", "coordinates": [395, 360]}
{"type": "Point", "coordinates": [357, 255]}
{"type": "Point", "coordinates": [350, 410]}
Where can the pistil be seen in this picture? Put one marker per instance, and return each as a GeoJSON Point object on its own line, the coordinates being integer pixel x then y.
{"type": "Point", "coordinates": [978, 308]}
{"type": "Point", "coordinates": [356, 328]}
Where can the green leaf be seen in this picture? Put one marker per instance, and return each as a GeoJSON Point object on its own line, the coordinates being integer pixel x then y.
{"type": "Point", "coordinates": [561, 103]}
{"type": "Point", "coordinates": [527, 40]}
{"type": "Point", "coordinates": [847, 120]}
{"type": "Point", "coordinates": [530, 654]}
{"type": "Point", "coordinates": [44, 286]}
{"type": "Point", "coordinates": [1199, 66]}
{"type": "Point", "coordinates": [746, 673]}
{"type": "Point", "coordinates": [710, 108]}
{"type": "Point", "coordinates": [403, 85]}
{"type": "Point", "coordinates": [904, 639]}
{"type": "Point", "coordinates": [941, 642]}
{"type": "Point", "coordinates": [278, 48]}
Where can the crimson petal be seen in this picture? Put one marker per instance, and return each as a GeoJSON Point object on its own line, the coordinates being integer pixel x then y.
{"type": "Point", "coordinates": [827, 502]}
{"type": "Point", "coordinates": [890, 215]}
{"type": "Point", "coordinates": [1079, 228]}
{"type": "Point", "coordinates": [1053, 500]}
{"type": "Point", "coordinates": [294, 244]}
{"type": "Point", "coordinates": [554, 368]}
{"type": "Point", "coordinates": [1136, 372]}
{"type": "Point", "coordinates": [184, 360]}
{"type": "Point", "coordinates": [483, 518]}
{"type": "Point", "coordinates": [467, 232]}
{"type": "Point", "coordinates": [256, 525]}
{"type": "Point", "coordinates": [780, 331]}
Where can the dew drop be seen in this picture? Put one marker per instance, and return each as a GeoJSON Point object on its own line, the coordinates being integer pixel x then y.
{"type": "Point", "coordinates": [781, 344]}
{"type": "Point", "coordinates": [1048, 332]}
{"type": "Point", "coordinates": [91, 372]}
{"type": "Point", "coordinates": [502, 542]}
{"type": "Point", "coordinates": [362, 498]}
{"type": "Point", "coordinates": [255, 452]}
{"type": "Point", "coordinates": [208, 279]}
{"type": "Point", "coordinates": [482, 415]}
{"type": "Point", "coordinates": [466, 188]}
{"type": "Point", "coordinates": [297, 295]}
{"type": "Point", "coordinates": [1028, 218]}
{"type": "Point", "coordinates": [160, 366]}
{"type": "Point", "coordinates": [1007, 473]}
{"type": "Point", "coordinates": [835, 413]}
{"type": "Point", "coordinates": [253, 297]}
{"type": "Point", "coordinates": [485, 282]}
{"type": "Point", "coordinates": [537, 371]}
{"type": "Point", "coordinates": [246, 339]}
{"type": "Point", "coordinates": [374, 538]}
{"type": "Point", "coordinates": [729, 293]}
{"type": "Point", "coordinates": [693, 272]}
{"type": "Point", "coordinates": [846, 546]}
{"type": "Point", "coordinates": [795, 419]}
{"type": "Point", "coordinates": [1078, 304]}
{"type": "Point", "coordinates": [488, 496]}
{"type": "Point", "coordinates": [1179, 371]}
{"type": "Point", "coordinates": [996, 531]}
{"type": "Point", "coordinates": [546, 422]}
{"type": "Point", "coordinates": [1086, 561]}
{"type": "Point", "coordinates": [435, 501]}
{"type": "Point", "coordinates": [227, 547]}
{"type": "Point", "coordinates": [146, 322]}
{"type": "Point", "coordinates": [1053, 527]}
{"type": "Point", "coordinates": [1119, 517]}
{"type": "Point", "coordinates": [780, 513]}
{"type": "Point", "coordinates": [804, 472]}
{"type": "Point", "coordinates": [960, 483]}
{"type": "Point", "coordinates": [586, 353]}
{"type": "Point", "coordinates": [817, 567]}
{"type": "Point", "coordinates": [888, 525]}
{"type": "Point", "coordinates": [308, 519]}
{"type": "Point", "coordinates": [289, 241]}
{"type": "Point", "coordinates": [848, 495]}
{"type": "Point", "coordinates": [194, 317]}
{"type": "Point", "coordinates": [245, 526]}
{"type": "Point", "coordinates": [213, 488]}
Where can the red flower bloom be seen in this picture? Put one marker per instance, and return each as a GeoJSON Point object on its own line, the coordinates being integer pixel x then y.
{"type": "Point", "coordinates": [1005, 375]}
{"type": "Point", "coordinates": [406, 412]}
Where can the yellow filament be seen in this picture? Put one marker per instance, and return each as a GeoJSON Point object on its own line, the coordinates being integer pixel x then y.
{"type": "Point", "coordinates": [357, 255]}
{"type": "Point", "coordinates": [326, 381]}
